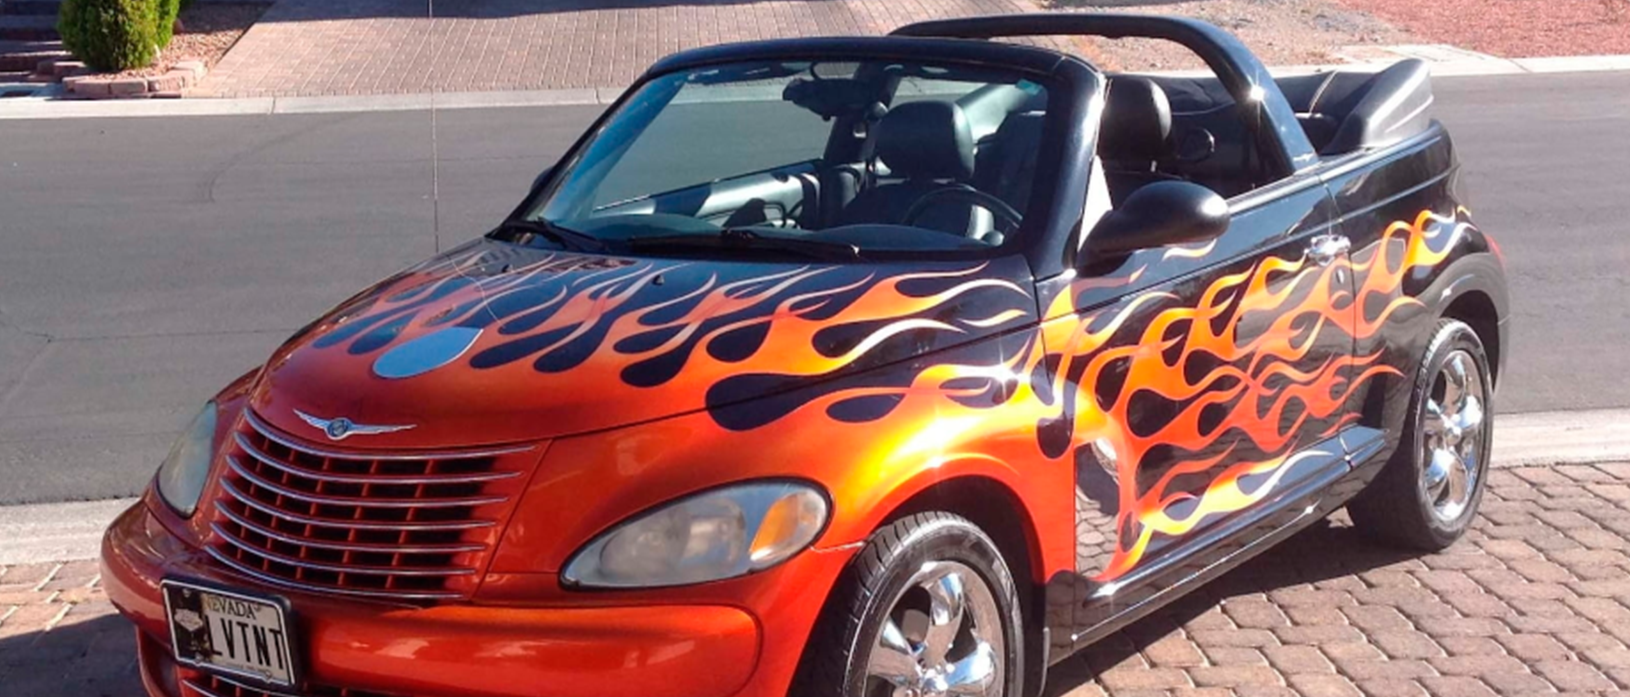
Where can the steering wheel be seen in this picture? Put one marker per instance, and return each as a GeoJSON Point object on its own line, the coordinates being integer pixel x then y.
{"type": "Point", "coordinates": [964, 194]}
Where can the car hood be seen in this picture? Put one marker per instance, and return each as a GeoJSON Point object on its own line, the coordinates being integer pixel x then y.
{"type": "Point", "coordinates": [498, 343]}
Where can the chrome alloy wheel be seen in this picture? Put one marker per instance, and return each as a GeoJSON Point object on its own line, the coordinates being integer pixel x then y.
{"type": "Point", "coordinates": [1452, 437]}
{"type": "Point", "coordinates": [943, 636]}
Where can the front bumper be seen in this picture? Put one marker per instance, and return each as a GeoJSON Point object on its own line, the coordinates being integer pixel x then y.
{"type": "Point", "coordinates": [467, 649]}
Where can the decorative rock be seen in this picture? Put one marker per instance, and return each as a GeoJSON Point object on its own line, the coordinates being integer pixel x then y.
{"type": "Point", "coordinates": [197, 68]}
{"type": "Point", "coordinates": [170, 82]}
{"type": "Point", "coordinates": [87, 87]}
{"type": "Point", "coordinates": [62, 68]}
{"type": "Point", "coordinates": [127, 87]}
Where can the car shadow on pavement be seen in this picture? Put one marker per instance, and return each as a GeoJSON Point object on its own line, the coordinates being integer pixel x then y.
{"type": "Point", "coordinates": [1329, 552]}
{"type": "Point", "coordinates": [95, 657]}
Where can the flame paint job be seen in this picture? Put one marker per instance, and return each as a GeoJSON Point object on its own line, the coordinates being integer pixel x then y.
{"type": "Point", "coordinates": [629, 340]}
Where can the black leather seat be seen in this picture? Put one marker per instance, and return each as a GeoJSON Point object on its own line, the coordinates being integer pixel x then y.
{"type": "Point", "coordinates": [1136, 135]}
{"type": "Point", "coordinates": [930, 145]}
{"type": "Point", "coordinates": [1007, 167]}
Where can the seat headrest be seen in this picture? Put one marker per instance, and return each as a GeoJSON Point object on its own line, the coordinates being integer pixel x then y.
{"type": "Point", "coordinates": [926, 140]}
{"type": "Point", "coordinates": [1137, 121]}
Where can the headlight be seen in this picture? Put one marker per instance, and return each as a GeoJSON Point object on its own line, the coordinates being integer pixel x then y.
{"type": "Point", "coordinates": [181, 477]}
{"type": "Point", "coordinates": [715, 535]}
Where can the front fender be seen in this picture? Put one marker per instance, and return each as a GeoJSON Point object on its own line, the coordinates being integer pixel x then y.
{"type": "Point", "coordinates": [870, 461]}
{"type": "Point", "coordinates": [1027, 506]}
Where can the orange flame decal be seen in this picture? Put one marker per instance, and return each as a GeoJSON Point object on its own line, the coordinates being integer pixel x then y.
{"type": "Point", "coordinates": [1260, 378]}
{"type": "Point", "coordinates": [1234, 365]}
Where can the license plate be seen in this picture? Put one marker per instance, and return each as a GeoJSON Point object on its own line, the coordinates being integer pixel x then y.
{"type": "Point", "coordinates": [231, 632]}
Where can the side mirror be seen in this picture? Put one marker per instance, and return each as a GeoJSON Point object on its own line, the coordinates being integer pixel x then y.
{"type": "Point", "coordinates": [542, 177]}
{"type": "Point", "coordinates": [1160, 214]}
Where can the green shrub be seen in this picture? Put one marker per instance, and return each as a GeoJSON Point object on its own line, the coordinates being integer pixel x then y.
{"type": "Point", "coordinates": [111, 34]}
{"type": "Point", "coordinates": [168, 11]}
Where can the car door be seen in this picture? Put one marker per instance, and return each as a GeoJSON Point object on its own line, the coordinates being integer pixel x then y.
{"type": "Point", "coordinates": [1209, 382]}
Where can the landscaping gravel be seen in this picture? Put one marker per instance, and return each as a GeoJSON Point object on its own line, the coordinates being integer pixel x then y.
{"type": "Point", "coordinates": [1281, 32]}
{"type": "Point", "coordinates": [205, 32]}
{"type": "Point", "coordinates": [1513, 28]}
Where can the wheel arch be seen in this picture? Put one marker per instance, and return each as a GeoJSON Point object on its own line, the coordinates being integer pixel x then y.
{"type": "Point", "coordinates": [1470, 289]}
{"type": "Point", "coordinates": [989, 504]}
{"type": "Point", "coordinates": [1477, 310]}
{"type": "Point", "coordinates": [1473, 290]}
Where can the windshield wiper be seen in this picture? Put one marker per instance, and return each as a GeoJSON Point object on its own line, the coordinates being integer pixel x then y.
{"type": "Point", "coordinates": [743, 239]}
{"type": "Point", "coordinates": [563, 236]}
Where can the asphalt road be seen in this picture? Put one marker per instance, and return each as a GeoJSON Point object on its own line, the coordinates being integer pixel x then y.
{"type": "Point", "coordinates": [145, 262]}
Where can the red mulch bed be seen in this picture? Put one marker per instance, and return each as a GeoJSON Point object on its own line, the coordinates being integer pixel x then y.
{"type": "Point", "coordinates": [1280, 32]}
{"type": "Point", "coordinates": [1512, 28]}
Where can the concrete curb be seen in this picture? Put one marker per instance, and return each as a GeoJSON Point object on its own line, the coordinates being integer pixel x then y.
{"type": "Point", "coordinates": [1562, 437]}
{"type": "Point", "coordinates": [49, 106]}
{"type": "Point", "coordinates": [56, 532]}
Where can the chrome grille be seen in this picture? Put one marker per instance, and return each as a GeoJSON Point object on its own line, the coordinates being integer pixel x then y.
{"type": "Point", "coordinates": [416, 526]}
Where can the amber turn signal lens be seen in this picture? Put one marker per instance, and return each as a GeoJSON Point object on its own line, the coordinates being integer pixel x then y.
{"type": "Point", "coordinates": [789, 524]}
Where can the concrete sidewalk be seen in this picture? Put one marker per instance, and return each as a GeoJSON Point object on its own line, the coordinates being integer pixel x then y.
{"type": "Point", "coordinates": [334, 47]}
{"type": "Point", "coordinates": [1534, 601]}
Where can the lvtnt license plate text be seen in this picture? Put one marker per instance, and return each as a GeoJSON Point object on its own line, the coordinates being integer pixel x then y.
{"type": "Point", "coordinates": [230, 633]}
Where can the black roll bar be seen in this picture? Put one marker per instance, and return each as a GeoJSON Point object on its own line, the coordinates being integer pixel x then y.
{"type": "Point", "coordinates": [1235, 65]}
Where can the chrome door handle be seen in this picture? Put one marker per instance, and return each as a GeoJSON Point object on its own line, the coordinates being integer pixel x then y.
{"type": "Point", "coordinates": [1324, 249]}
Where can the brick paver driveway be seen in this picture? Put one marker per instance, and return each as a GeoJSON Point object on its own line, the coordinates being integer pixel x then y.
{"type": "Point", "coordinates": [336, 47]}
{"type": "Point", "coordinates": [1535, 601]}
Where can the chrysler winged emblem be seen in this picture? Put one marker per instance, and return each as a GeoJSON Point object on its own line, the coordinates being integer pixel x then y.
{"type": "Point", "coordinates": [342, 428]}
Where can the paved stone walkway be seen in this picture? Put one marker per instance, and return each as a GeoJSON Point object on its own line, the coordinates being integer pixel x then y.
{"type": "Point", "coordinates": [60, 637]}
{"type": "Point", "coordinates": [339, 47]}
{"type": "Point", "coordinates": [1535, 601]}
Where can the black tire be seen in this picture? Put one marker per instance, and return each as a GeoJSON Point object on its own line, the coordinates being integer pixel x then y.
{"type": "Point", "coordinates": [1395, 508]}
{"type": "Point", "coordinates": [835, 661]}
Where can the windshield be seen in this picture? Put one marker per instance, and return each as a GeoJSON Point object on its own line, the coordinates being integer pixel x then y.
{"type": "Point", "coordinates": [793, 157]}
